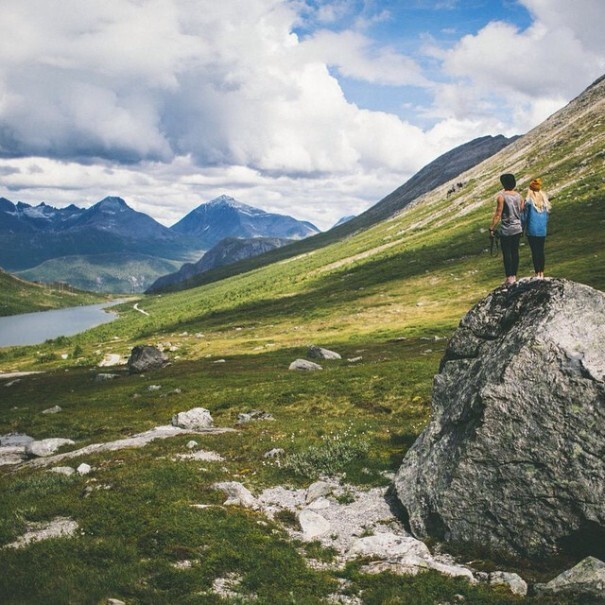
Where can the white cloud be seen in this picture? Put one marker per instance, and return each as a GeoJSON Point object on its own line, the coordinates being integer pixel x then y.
{"type": "Point", "coordinates": [525, 75]}
{"type": "Point", "coordinates": [355, 56]}
{"type": "Point", "coordinates": [170, 103]}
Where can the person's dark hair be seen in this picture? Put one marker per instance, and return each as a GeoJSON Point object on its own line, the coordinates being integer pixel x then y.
{"type": "Point", "coordinates": [508, 181]}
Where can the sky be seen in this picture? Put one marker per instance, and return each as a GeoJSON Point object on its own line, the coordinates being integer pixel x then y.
{"type": "Point", "coordinates": [312, 108]}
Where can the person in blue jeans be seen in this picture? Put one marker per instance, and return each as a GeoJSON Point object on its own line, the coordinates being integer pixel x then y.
{"type": "Point", "coordinates": [509, 209]}
{"type": "Point", "coordinates": [535, 219]}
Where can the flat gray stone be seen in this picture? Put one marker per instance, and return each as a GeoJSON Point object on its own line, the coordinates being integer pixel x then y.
{"type": "Point", "coordinates": [47, 447]}
{"type": "Point", "coordinates": [304, 365]}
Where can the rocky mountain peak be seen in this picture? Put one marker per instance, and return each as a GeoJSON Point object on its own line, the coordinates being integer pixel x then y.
{"type": "Point", "coordinates": [512, 458]}
{"type": "Point", "coordinates": [112, 204]}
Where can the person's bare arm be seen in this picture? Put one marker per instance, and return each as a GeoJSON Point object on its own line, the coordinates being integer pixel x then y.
{"type": "Point", "coordinates": [497, 213]}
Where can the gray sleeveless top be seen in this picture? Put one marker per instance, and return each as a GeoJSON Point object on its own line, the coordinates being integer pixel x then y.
{"type": "Point", "coordinates": [511, 213]}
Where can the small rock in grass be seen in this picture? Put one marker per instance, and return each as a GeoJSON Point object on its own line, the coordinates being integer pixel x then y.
{"type": "Point", "coordinates": [84, 469]}
{"type": "Point", "coordinates": [253, 415]}
{"type": "Point", "coordinates": [194, 419]}
{"type": "Point", "coordinates": [103, 377]}
{"type": "Point", "coordinates": [237, 494]}
{"type": "Point", "coordinates": [54, 410]}
{"type": "Point", "coordinates": [63, 470]}
{"type": "Point", "coordinates": [316, 352]}
{"type": "Point", "coordinates": [191, 445]}
{"type": "Point", "coordinates": [274, 453]}
{"type": "Point", "coordinates": [303, 364]}
{"type": "Point", "coordinates": [60, 527]}
{"type": "Point", "coordinates": [515, 583]}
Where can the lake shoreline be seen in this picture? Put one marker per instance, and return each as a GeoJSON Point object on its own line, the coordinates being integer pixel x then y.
{"type": "Point", "coordinates": [34, 328]}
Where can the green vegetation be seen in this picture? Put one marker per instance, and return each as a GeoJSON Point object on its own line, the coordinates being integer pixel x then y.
{"type": "Point", "coordinates": [118, 273]}
{"type": "Point", "coordinates": [19, 296]}
{"type": "Point", "coordinates": [386, 299]}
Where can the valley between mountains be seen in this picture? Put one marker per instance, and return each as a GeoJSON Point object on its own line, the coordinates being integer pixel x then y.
{"type": "Point", "coordinates": [385, 290]}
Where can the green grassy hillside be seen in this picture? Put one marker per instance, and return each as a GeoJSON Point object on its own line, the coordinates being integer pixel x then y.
{"type": "Point", "coordinates": [116, 273]}
{"type": "Point", "coordinates": [19, 296]}
{"type": "Point", "coordinates": [387, 298]}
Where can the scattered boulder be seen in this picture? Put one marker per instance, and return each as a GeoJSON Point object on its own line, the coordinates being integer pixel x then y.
{"type": "Point", "coordinates": [195, 419]}
{"type": "Point", "coordinates": [144, 358]}
{"type": "Point", "coordinates": [586, 579]}
{"type": "Point", "coordinates": [191, 445]}
{"type": "Point", "coordinates": [112, 601]}
{"type": "Point", "coordinates": [514, 582]}
{"type": "Point", "coordinates": [253, 415]}
{"type": "Point", "coordinates": [315, 352]}
{"type": "Point", "coordinates": [237, 494]}
{"type": "Point", "coordinates": [46, 447]}
{"type": "Point", "coordinates": [512, 458]}
{"type": "Point", "coordinates": [303, 364]}
{"type": "Point", "coordinates": [84, 469]}
{"type": "Point", "coordinates": [312, 525]}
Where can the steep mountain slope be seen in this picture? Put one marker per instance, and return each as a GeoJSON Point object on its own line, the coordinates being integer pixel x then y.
{"type": "Point", "coordinates": [227, 251]}
{"type": "Point", "coordinates": [430, 260]}
{"type": "Point", "coordinates": [19, 296]}
{"type": "Point", "coordinates": [225, 217]}
{"type": "Point", "coordinates": [442, 170]}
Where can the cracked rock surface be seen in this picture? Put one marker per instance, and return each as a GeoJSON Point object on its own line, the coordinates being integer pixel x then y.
{"type": "Point", "coordinates": [513, 457]}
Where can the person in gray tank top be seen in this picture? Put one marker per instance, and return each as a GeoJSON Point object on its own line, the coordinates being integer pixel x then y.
{"type": "Point", "coordinates": [509, 209]}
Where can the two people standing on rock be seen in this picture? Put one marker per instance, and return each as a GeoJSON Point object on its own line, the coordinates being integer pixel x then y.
{"type": "Point", "coordinates": [516, 214]}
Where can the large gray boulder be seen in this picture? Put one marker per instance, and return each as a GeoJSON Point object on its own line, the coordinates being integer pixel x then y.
{"type": "Point", "coordinates": [144, 358]}
{"type": "Point", "coordinates": [512, 459]}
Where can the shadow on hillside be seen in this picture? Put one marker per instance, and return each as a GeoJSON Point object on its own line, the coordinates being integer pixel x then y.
{"type": "Point", "coordinates": [569, 248]}
{"type": "Point", "coordinates": [341, 288]}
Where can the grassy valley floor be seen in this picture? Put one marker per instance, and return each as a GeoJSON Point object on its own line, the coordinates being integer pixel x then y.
{"type": "Point", "coordinates": [387, 298]}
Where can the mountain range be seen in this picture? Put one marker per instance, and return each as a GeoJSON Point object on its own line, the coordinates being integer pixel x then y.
{"type": "Point", "coordinates": [110, 247]}
{"type": "Point", "coordinates": [440, 171]}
